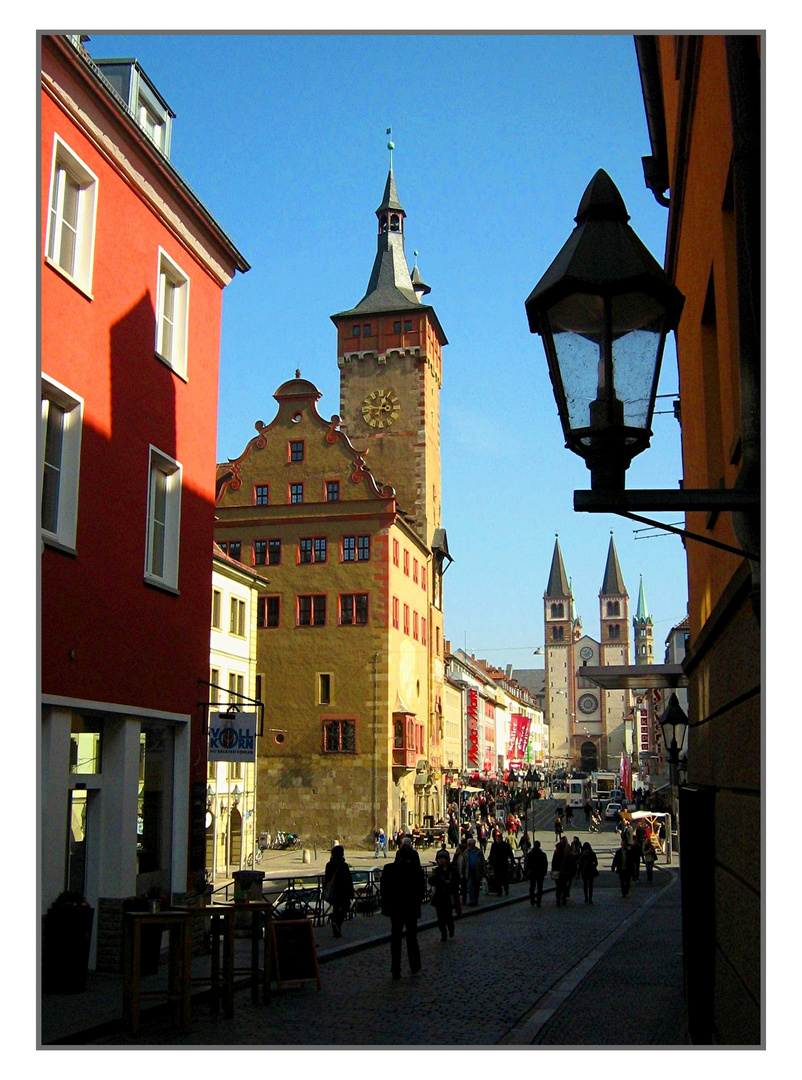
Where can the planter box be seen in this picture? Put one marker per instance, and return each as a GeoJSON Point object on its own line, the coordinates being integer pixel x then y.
{"type": "Point", "coordinates": [67, 933]}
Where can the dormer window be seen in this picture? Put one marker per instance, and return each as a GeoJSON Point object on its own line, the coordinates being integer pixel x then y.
{"type": "Point", "coordinates": [142, 99]}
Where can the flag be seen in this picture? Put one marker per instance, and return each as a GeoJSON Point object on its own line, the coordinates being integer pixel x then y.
{"type": "Point", "coordinates": [389, 131]}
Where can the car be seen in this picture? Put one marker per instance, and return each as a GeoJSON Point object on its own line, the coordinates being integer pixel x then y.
{"type": "Point", "coordinates": [611, 809]}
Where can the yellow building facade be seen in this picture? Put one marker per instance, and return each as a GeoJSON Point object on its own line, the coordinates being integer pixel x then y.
{"type": "Point", "coordinates": [342, 519]}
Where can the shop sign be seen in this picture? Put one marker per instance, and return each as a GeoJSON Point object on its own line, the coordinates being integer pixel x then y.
{"type": "Point", "coordinates": [232, 736]}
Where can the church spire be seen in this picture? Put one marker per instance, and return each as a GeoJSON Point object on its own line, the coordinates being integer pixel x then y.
{"type": "Point", "coordinates": [613, 584]}
{"type": "Point", "coordinates": [558, 579]}
{"type": "Point", "coordinates": [642, 615]}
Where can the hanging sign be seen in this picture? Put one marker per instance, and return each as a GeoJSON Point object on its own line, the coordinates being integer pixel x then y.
{"type": "Point", "coordinates": [232, 736]}
{"type": "Point", "coordinates": [473, 728]}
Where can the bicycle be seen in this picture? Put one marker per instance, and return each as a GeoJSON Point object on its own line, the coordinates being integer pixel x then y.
{"type": "Point", "coordinates": [596, 826]}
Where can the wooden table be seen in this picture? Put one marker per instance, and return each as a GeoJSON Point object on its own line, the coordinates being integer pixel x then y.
{"type": "Point", "coordinates": [258, 971]}
{"type": "Point", "coordinates": [222, 930]}
{"type": "Point", "coordinates": [179, 977]}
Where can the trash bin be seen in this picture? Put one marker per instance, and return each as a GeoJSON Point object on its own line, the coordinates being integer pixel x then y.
{"type": "Point", "coordinates": [248, 884]}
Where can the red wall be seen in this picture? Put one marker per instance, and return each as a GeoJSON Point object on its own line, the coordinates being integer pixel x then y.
{"type": "Point", "coordinates": [105, 634]}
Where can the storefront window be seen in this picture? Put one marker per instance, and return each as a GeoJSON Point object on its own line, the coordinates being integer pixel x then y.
{"type": "Point", "coordinates": [85, 744]}
{"type": "Point", "coordinates": [155, 804]}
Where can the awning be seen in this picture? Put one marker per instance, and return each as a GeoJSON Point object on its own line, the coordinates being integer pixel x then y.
{"type": "Point", "coordinates": [635, 677]}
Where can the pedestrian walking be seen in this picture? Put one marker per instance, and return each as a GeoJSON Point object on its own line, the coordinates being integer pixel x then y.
{"type": "Point", "coordinates": [380, 842]}
{"type": "Point", "coordinates": [621, 866]}
{"type": "Point", "coordinates": [525, 845]}
{"type": "Point", "coordinates": [561, 861]}
{"type": "Point", "coordinates": [475, 872]}
{"type": "Point", "coordinates": [500, 861]}
{"type": "Point", "coordinates": [569, 815]}
{"type": "Point", "coordinates": [537, 866]}
{"type": "Point", "coordinates": [649, 859]}
{"type": "Point", "coordinates": [460, 863]}
{"type": "Point", "coordinates": [636, 853]}
{"type": "Point", "coordinates": [482, 833]}
{"type": "Point", "coordinates": [587, 808]}
{"type": "Point", "coordinates": [402, 888]}
{"type": "Point", "coordinates": [443, 880]}
{"type": "Point", "coordinates": [588, 869]}
{"type": "Point", "coordinates": [338, 888]}
{"type": "Point", "coordinates": [558, 826]}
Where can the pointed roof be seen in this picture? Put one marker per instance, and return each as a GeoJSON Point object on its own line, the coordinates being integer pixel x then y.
{"type": "Point", "coordinates": [390, 200]}
{"type": "Point", "coordinates": [642, 614]}
{"type": "Point", "coordinates": [613, 584]}
{"type": "Point", "coordinates": [391, 287]}
{"type": "Point", "coordinates": [558, 579]}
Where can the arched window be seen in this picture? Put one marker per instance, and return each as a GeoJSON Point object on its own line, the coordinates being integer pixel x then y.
{"type": "Point", "coordinates": [557, 611]}
{"type": "Point", "coordinates": [613, 607]}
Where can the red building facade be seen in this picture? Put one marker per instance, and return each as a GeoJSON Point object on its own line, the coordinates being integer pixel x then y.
{"type": "Point", "coordinates": [133, 270]}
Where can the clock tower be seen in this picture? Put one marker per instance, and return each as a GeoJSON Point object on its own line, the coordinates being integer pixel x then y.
{"type": "Point", "coordinates": [389, 352]}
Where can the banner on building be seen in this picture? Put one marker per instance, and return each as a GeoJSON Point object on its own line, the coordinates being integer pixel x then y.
{"type": "Point", "coordinates": [473, 728]}
{"type": "Point", "coordinates": [232, 736]}
{"type": "Point", "coordinates": [519, 737]}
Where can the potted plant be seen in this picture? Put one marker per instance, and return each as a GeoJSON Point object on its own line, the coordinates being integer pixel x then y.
{"type": "Point", "coordinates": [67, 934]}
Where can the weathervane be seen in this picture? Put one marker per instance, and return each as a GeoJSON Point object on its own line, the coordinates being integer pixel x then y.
{"type": "Point", "coordinates": [390, 146]}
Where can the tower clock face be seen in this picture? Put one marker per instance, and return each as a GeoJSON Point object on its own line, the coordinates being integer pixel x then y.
{"type": "Point", "coordinates": [588, 703]}
{"type": "Point", "coordinates": [586, 652]}
{"type": "Point", "coordinates": [380, 408]}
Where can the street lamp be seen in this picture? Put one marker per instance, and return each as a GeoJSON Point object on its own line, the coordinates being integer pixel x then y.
{"type": "Point", "coordinates": [674, 723]}
{"type": "Point", "coordinates": [603, 309]}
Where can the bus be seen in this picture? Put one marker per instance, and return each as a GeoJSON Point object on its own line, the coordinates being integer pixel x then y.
{"type": "Point", "coordinates": [602, 785]}
{"type": "Point", "coordinates": [578, 792]}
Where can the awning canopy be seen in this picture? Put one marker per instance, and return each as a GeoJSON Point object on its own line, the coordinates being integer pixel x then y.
{"type": "Point", "coordinates": [635, 677]}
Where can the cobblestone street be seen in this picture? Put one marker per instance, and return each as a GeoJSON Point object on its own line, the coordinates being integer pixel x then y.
{"type": "Point", "coordinates": [546, 976]}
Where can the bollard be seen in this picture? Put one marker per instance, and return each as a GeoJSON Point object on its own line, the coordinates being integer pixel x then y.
{"type": "Point", "coordinates": [306, 856]}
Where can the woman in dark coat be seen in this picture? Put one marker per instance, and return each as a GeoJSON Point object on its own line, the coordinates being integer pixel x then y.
{"type": "Point", "coordinates": [443, 880]}
{"type": "Point", "coordinates": [587, 865]}
{"type": "Point", "coordinates": [337, 875]}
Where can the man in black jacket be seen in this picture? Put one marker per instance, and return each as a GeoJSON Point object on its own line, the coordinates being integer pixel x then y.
{"type": "Point", "coordinates": [402, 888]}
{"type": "Point", "coordinates": [537, 866]}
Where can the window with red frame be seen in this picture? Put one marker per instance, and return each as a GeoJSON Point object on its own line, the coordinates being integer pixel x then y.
{"type": "Point", "coordinates": [261, 495]}
{"type": "Point", "coordinates": [339, 737]}
{"type": "Point", "coordinates": [395, 553]}
{"type": "Point", "coordinates": [354, 609]}
{"type": "Point", "coordinates": [406, 618]}
{"type": "Point", "coordinates": [395, 612]}
{"type": "Point", "coordinates": [415, 627]}
{"type": "Point", "coordinates": [406, 562]}
{"type": "Point", "coordinates": [311, 611]}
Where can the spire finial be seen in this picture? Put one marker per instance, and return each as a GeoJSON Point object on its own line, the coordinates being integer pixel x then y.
{"type": "Point", "coordinates": [297, 373]}
{"type": "Point", "coordinates": [390, 146]}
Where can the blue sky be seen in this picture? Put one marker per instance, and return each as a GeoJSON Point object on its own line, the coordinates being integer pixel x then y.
{"type": "Point", "coordinates": [496, 138]}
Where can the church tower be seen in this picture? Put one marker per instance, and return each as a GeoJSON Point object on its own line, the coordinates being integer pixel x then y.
{"type": "Point", "coordinates": [560, 623]}
{"type": "Point", "coordinates": [643, 627]}
{"type": "Point", "coordinates": [389, 351]}
{"type": "Point", "coordinates": [614, 651]}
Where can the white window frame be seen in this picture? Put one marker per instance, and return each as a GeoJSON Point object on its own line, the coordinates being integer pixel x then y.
{"type": "Point", "coordinates": [68, 169]}
{"type": "Point", "coordinates": [166, 575]}
{"type": "Point", "coordinates": [64, 534]}
{"type": "Point", "coordinates": [172, 314]}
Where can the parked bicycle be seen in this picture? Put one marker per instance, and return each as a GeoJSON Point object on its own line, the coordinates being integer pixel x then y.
{"type": "Point", "coordinates": [282, 841]}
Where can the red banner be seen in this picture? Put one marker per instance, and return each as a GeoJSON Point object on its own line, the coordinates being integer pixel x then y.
{"type": "Point", "coordinates": [473, 728]}
{"type": "Point", "coordinates": [519, 736]}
